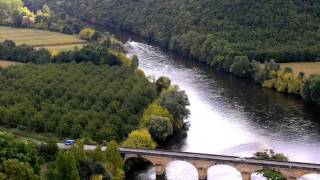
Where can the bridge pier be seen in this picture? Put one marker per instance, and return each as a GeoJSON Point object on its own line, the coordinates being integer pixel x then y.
{"type": "Point", "coordinates": [245, 175]}
{"type": "Point", "coordinates": [202, 173]}
{"type": "Point", "coordinates": [160, 169]}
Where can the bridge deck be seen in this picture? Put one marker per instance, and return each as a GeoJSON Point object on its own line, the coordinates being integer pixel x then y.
{"type": "Point", "coordinates": [219, 158]}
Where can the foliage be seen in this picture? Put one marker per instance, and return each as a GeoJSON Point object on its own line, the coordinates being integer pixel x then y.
{"type": "Point", "coordinates": [95, 53]}
{"type": "Point", "coordinates": [114, 161]}
{"type": "Point", "coordinates": [11, 148]}
{"type": "Point", "coordinates": [284, 81]}
{"type": "Point", "coordinates": [48, 150]}
{"type": "Point", "coordinates": [163, 83]}
{"type": "Point", "coordinates": [87, 34]}
{"type": "Point", "coordinates": [270, 155]}
{"type": "Point", "coordinates": [273, 175]}
{"type": "Point", "coordinates": [311, 89]}
{"type": "Point", "coordinates": [176, 101]}
{"type": "Point", "coordinates": [9, 51]}
{"type": "Point", "coordinates": [155, 110]}
{"type": "Point", "coordinates": [241, 66]}
{"type": "Point", "coordinates": [160, 128]}
{"type": "Point", "coordinates": [140, 139]}
{"type": "Point", "coordinates": [14, 169]}
{"type": "Point", "coordinates": [66, 99]}
{"type": "Point", "coordinates": [204, 29]}
{"type": "Point", "coordinates": [66, 166]}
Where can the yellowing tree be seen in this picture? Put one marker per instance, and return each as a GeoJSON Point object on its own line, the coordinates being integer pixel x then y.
{"type": "Point", "coordinates": [155, 110]}
{"type": "Point", "coordinates": [140, 139]}
{"type": "Point", "coordinates": [87, 33]}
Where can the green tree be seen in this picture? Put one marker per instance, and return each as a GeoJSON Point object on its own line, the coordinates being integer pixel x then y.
{"type": "Point", "coordinates": [48, 151]}
{"type": "Point", "coordinates": [163, 83]}
{"type": "Point", "coordinates": [155, 110]}
{"type": "Point", "coordinates": [12, 148]}
{"type": "Point", "coordinates": [311, 89]}
{"type": "Point", "coordinates": [114, 161]}
{"type": "Point", "coordinates": [66, 166]}
{"type": "Point", "coordinates": [140, 139]}
{"type": "Point", "coordinates": [160, 128]}
{"type": "Point", "coordinates": [17, 170]}
{"type": "Point", "coordinates": [176, 101]}
{"type": "Point", "coordinates": [241, 66]}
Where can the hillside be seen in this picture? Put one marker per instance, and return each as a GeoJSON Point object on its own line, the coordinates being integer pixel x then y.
{"type": "Point", "coordinates": [287, 30]}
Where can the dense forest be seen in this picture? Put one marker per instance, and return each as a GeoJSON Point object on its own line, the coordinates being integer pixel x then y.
{"type": "Point", "coordinates": [102, 103]}
{"type": "Point", "coordinates": [286, 30]}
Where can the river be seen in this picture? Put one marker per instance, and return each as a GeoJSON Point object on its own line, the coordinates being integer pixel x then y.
{"type": "Point", "coordinates": [230, 116]}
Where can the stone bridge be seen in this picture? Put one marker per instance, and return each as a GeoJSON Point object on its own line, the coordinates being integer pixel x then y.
{"type": "Point", "coordinates": [202, 162]}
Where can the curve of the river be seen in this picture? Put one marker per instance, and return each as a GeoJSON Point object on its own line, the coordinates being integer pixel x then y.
{"type": "Point", "coordinates": [232, 116]}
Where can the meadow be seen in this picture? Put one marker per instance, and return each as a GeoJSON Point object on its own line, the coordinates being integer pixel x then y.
{"type": "Point", "coordinates": [308, 68]}
{"type": "Point", "coordinates": [40, 38]}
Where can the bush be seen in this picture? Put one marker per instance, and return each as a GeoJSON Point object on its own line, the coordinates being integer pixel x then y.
{"type": "Point", "coordinates": [160, 128]}
{"type": "Point", "coordinates": [155, 110]}
{"type": "Point", "coordinates": [311, 89]}
{"type": "Point", "coordinates": [87, 34]}
{"type": "Point", "coordinates": [241, 66]}
{"type": "Point", "coordinates": [140, 139]}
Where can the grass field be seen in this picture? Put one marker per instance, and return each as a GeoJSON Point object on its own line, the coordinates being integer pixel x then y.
{"type": "Point", "coordinates": [4, 64]}
{"type": "Point", "coordinates": [307, 67]}
{"type": "Point", "coordinates": [39, 38]}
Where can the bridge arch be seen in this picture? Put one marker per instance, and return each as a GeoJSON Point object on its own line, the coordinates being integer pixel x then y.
{"type": "Point", "coordinates": [311, 176]}
{"type": "Point", "coordinates": [181, 170]}
{"type": "Point", "coordinates": [133, 164]}
{"type": "Point", "coordinates": [226, 172]}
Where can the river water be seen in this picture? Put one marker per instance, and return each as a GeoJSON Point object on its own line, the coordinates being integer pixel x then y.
{"type": "Point", "coordinates": [230, 116]}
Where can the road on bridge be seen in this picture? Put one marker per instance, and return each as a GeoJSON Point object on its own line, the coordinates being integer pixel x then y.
{"type": "Point", "coordinates": [188, 155]}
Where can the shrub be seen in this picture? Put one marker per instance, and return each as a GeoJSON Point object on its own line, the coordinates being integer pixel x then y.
{"type": "Point", "coordinates": [160, 128]}
{"type": "Point", "coordinates": [140, 139]}
{"type": "Point", "coordinates": [241, 66]}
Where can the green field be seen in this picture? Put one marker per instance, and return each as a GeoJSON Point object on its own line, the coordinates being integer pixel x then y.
{"type": "Point", "coordinates": [307, 68]}
{"type": "Point", "coordinates": [39, 38]}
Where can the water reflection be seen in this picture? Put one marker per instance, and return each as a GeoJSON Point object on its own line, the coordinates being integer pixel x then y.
{"type": "Point", "coordinates": [235, 117]}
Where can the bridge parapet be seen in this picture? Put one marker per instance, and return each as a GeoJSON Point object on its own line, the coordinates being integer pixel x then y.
{"type": "Point", "coordinates": [202, 162]}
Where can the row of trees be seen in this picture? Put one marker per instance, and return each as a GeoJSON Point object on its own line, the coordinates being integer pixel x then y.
{"type": "Point", "coordinates": [94, 52]}
{"type": "Point", "coordinates": [270, 75]}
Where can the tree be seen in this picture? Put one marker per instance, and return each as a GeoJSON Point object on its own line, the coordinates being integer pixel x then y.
{"type": "Point", "coordinates": [48, 151]}
{"type": "Point", "coordinates": [140, 139]}
{"type": "Point", "coordinates": [163, 83]}
{"type": "Point", "coordinates": [311, 89]}
{"type": "Point", "coordinates": [87, 34]}
{"type": "Point", "coordinates": [66, 166]}
{"type": "Point", "coordinates": [241, 66]}
{"type": "Point", "coordinates": [155, 110]}
{"type": "Point", "coordinates": [17, 170]}
{"type": "Point", "coordinates": [12, 148]}
{"type": "Point", "coordinates": [160, 128]}
{"type": "Point", "coordinates": [114, 161]}
{"type": "Point", "coordinates": [175, 101]}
